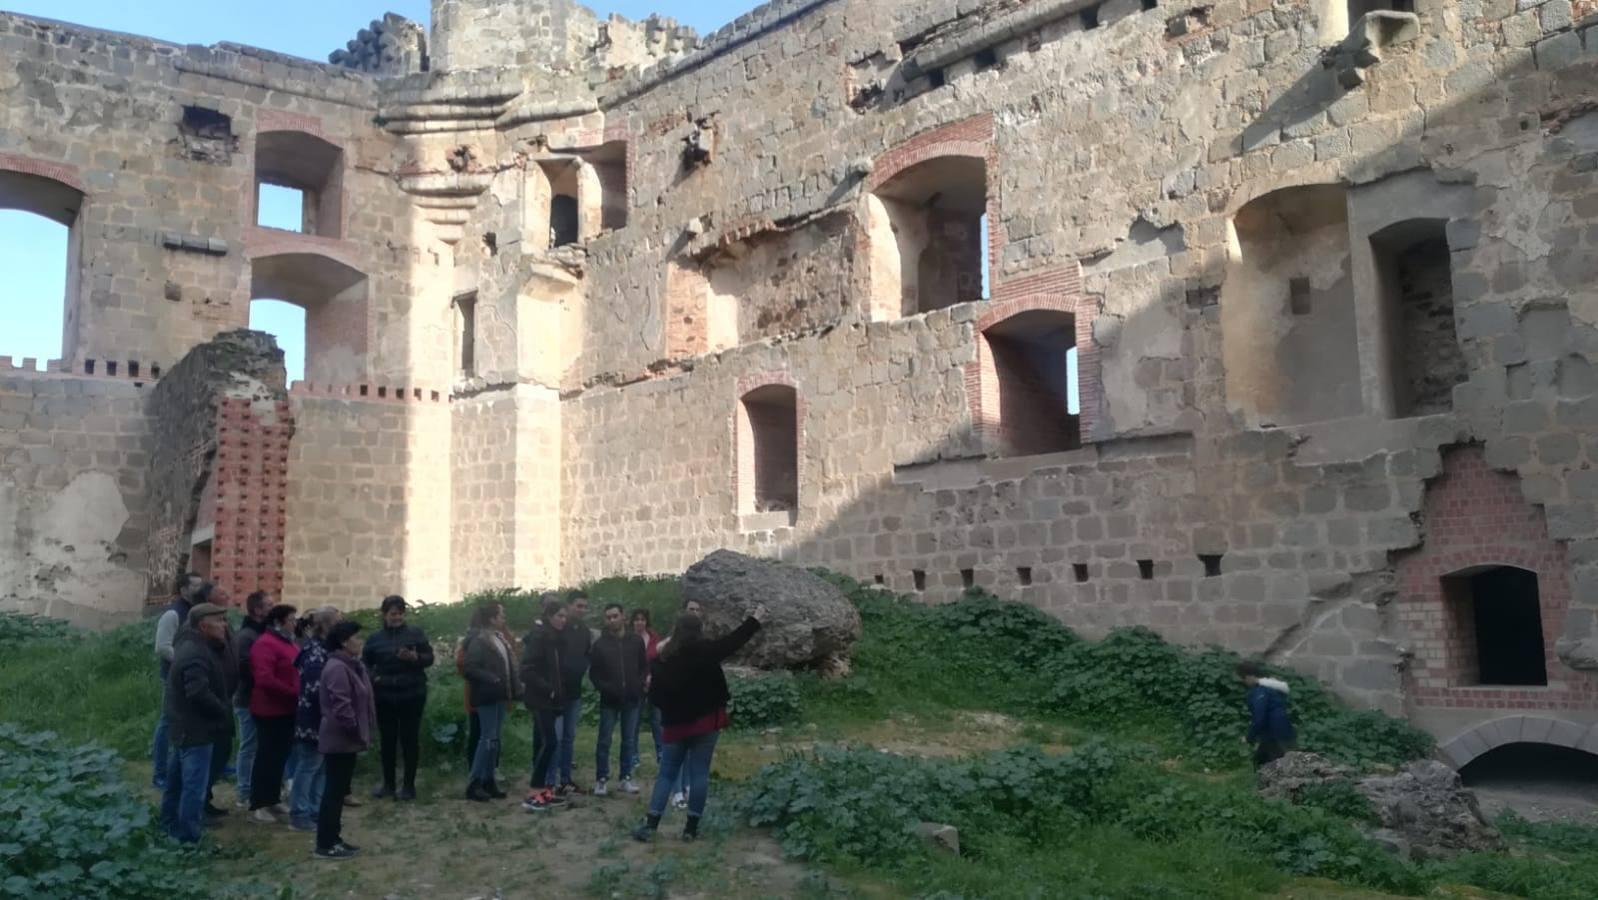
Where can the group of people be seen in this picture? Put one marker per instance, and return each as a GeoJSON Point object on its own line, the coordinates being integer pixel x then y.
{"type": "Point", "coordinates": [678, 680]}
{"type": "Point", "coordinates": [306, 694]}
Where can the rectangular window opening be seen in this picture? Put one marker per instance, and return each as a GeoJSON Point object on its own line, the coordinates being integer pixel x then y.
{"type": "Point", "coordinates": [1298, 300]}
{"type": "Point", "coordinates": [986, 59]}
{"type": "Point", "coordinates": [1090, 18]}
{"type": "Point", "coordinates": [919, 577]}
{"type": "Point", "coordinates": [937, 78]}
{"type": "Point", "coordinates": [1212, 564]}
{"type": "Point", "coordinates": [968, 578]}
{"type": "Point", "coordinates": [1023, 574]}
{"type": "Point", "coordinates": [1145, 569]}
{"type": "Point", "coordinates": [880, 579]}
{"type": "Point", "coordinates": [466, 331]}
{"type": "Point", "coordinates": [1080, 572]}
{"type": "Point", "coordinates": [280, 207]}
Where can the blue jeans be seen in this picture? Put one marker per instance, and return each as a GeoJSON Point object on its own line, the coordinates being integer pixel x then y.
{"type": "Point", "coordinates": [492, 718]}
{"type": "Point", "coordinates": [568, 740]}
{"type": "Point", "coordinates": [627, 713]}
{"type": "Point", "coordinates": [310, 776]}
{"type": "Point", "coordinates": [686, 760]}
{"type": "Point", "coordinates": [160, 749]}
{"type": "Point", "coordinates": [245, 767]}
{"type": "Point", "coordinates": [188, 777]}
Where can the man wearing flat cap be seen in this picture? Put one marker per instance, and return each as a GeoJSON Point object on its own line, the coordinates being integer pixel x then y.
{"type": "Point", "coordinates": [199, 717]}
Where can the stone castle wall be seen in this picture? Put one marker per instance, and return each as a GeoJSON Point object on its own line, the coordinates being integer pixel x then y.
{"type": "Point", "coordinates": [1315, 274]}
{"type": "Point", "coordinates": [74, 452]}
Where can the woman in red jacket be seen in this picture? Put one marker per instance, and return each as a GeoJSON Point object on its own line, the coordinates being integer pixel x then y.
{"type": "Point", "coordinates": [273, 700]}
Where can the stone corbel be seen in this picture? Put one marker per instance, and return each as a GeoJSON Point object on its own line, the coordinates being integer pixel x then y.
{"type": "Point", "coordinates": [1367, 40]}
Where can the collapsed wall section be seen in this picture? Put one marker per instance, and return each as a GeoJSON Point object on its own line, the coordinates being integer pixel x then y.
{"type": "Point", "coordinates": [220, 431]}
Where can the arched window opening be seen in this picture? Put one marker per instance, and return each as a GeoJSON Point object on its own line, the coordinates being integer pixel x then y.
{"type": "Point", "coordinates": [927, 228]}
{"type": "Point", "coordinates": [332, 298]}
{"type": "Point", "coordinates": [768, 450]}
{"type": "Point", "coordinates": [286, 322]}
{"type": "Point", "coordinates": [40, 249]}
{"type": "Point", "coordinates": [293, 165]}
{"type": "Point", "coordinates": [1496, 627]}
{"type": "Point", "coordinates": [1030, 392]}
{"type": "Point", "coordinates": [1289, 334]}
{"type": "Point", "coordinates": [33, 295]}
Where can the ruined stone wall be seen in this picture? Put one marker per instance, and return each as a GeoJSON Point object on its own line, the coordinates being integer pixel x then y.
{"type": "Point", "coordinates": [219, 429]}
{"type": "Point", "coordinates": [73, 508]}
{"type": "Point", "coordinates": [1130, 146]}
{"type": "Point", "coordinates": [159, 143]}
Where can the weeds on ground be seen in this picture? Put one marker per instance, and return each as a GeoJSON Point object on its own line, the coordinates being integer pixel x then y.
{"type": "Point", "coordinates": [71, 828]}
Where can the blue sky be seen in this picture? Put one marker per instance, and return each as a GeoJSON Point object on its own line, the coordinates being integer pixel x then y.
{"type": "Point", "coordinates": [33, 250]}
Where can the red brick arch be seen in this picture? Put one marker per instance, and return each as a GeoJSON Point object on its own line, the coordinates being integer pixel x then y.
{"type": "Point", "coordinates": [65, 173]}
{"type": "Point", "coordinates": [981, 378]}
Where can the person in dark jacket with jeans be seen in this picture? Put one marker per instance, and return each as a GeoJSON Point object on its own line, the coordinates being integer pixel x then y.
{"type": "Point", "coordinates": [397, 657]}
{"type": "Point", "coordinates": [349, 715]}
{"type": "Point", "coordinates": [544, 689]}
{"type": "Point", "coordinates": [495, 684]}
{"type": "Point", "coordinates": [576, 642]}
{"type": "Point", "coordinates": [255, 607]}
{"type": "Point", "coordinates": [198, 717]}
{"type": "Point", "coordinates": [618, 665]}
{"type": "Point", "coordinates": [1269, 728]}
{"type": "Point", "coordinates": [691, 691]}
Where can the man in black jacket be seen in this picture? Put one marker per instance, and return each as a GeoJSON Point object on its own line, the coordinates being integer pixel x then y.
{"type": "Point", "coordinates": [198, 719]}
{"type": "Point", "coordinates": [576, 641]}
{"type": "Point", "coordinates": [398, 657]}
{"type": "Point", "coordinates": [618, 663]}
{"type": "Point", "coordinates": [255, 607]}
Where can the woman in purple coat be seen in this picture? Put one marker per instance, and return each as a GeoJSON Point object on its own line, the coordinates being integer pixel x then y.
{"type": "Point", "coordinates": [348, 718]}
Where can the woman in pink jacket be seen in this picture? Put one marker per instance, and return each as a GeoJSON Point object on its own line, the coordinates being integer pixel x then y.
{"type": "Point", "coordinates": [348, 717]}
{"type": "Point", "coordinates": [273, 700]}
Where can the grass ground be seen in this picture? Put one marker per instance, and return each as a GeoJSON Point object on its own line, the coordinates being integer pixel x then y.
{"type": "Point", "coordinates": [944, 686]}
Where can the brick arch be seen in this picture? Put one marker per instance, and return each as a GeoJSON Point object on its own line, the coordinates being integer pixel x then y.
{"type": "Point", "coordinates": [967, 139]}
{"type": "Point", "coordinates": [1476, 517]}
{"type": "Point", "coordinates": [981, 377]}
{"type": "Point", "coordinates": [1524, 729]}
{"type": "Point", "coordinates": [65, 173]}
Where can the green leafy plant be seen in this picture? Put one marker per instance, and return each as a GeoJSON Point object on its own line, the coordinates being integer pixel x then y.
{"type": "Point", "coordinates": [17, 629]}
{"type": "Point", "coordinates": [70, 827]}
{"type": "Point", "coordinates": [763, 701]}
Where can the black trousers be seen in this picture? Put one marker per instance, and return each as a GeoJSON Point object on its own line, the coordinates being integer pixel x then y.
{"type": "Point", "coordinates": [340, 771]}
{"type": "Point", "coordinates": [220, 751]}
{"type": "Point", "coordinates": [399, 727]}
{"type": "Point", "coordinates": [546, 746]}
{"type": "Point", "coordinates": [274, 738]}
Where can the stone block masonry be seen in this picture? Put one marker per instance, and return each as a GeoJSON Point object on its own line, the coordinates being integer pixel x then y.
{"type": "Point", "coordinates": [74, 508]}
{"type": "Point", "coordinates": [1334, 327]}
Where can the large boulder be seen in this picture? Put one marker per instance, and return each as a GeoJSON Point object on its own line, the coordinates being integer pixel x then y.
{"type": "Point", "coordinates": [1424, 809]}
{"type": "Point", "coordinates": [810, 624]}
